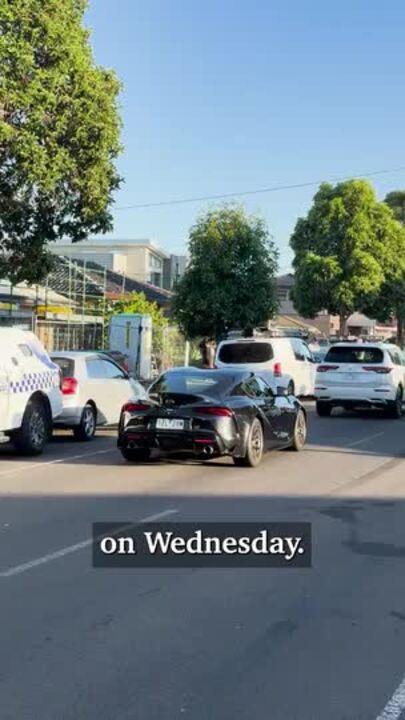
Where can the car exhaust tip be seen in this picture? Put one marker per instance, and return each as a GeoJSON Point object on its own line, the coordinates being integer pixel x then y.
{"type": "Point", "coordinates": [208, 451]}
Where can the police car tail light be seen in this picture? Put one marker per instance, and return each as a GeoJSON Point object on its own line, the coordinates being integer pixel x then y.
{"type": "Point", "coordinates": [277, 369]}
{"type": "Point", "coordinates": [69, 386]}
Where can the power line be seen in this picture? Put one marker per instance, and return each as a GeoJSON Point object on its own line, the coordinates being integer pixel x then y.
{"type": "Point", "coordinates": [276, 188]}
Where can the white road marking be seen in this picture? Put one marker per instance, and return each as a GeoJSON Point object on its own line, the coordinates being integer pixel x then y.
{"type": "Point", "coordinates": [395, 705]}
{"type": "Point", "coordinates": [18, 569]}
{"type": "Point", "coordinates": [57, 461]}
{"type": "Point", "coordinates": [366, 439]}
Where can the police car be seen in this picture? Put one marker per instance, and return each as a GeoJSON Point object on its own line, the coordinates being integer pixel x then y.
{"type": "Point", "coordinates": [30, 394]}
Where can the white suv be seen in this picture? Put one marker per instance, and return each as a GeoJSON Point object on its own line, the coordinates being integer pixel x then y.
{"type": "Point", "coordinates": [280, 355]}
{"type": "Point", "coordinates": [361, 375]}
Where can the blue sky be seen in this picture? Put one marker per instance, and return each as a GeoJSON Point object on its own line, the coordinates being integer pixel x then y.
{"type": "Point", "coordinates": [223, 96]}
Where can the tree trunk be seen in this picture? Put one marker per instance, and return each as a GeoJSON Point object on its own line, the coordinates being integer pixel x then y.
{"type": "Point", "coordinates": [400, 329]}
{"type": "Point", "coordinates": [342, 324]}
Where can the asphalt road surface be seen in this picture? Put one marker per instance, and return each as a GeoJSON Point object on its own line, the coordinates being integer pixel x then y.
{"type": "Point", "coordinates": [326, 643]}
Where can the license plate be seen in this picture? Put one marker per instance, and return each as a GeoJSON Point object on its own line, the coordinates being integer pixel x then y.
{"type": "Point", "coordinates": [168, 424]}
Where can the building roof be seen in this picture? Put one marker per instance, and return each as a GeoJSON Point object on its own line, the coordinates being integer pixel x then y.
{"type": "Point", "coordinates": [80, 280]}
{"type": "Point", "coordinates": [359, 320]}
{"type": "Point", "coordinates": [285, 280]}
{"type": "Point", "coordinates": [106, 245]}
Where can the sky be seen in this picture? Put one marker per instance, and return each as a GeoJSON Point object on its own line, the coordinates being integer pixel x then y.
{"type": "Point", "coordinates": [224, 96]}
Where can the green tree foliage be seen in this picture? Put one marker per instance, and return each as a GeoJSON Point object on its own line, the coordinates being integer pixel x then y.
{"type": "Point", "coordinates": [230, 280]}
{"type": "Point", "coordinates": [390, 301]}
{"type": "Point", "coordinates": [396, 201]}
{"type": "Point", "coordinates": [344, 249]}
{"type": "Point", "coordinates": [59, 134]}
{"type": "Point", "coordinates": [138, 303]}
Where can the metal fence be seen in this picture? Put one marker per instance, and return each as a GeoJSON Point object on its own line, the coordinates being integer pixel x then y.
{"type": "Point", "coordinates": [61, 335]}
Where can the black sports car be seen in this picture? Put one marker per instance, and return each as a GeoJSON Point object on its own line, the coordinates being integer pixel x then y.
{"type": "Point", "coordinates": [210, 413]}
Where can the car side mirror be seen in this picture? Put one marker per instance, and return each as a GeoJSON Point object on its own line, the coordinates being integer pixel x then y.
{"type": "Point", "coordinates": [281, 391]}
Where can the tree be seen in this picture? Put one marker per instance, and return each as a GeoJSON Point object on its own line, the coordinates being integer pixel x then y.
{"type": "Point", "coordinates": [59, 134]}
{"type": "Point", "coordinates": [396, 201]}
{"type": "Point", "coordinates": [343, 249]}
{"type": "Point", "coordinates": [390, 301]}
{"type": "Point", "coordinates": [229, 282]}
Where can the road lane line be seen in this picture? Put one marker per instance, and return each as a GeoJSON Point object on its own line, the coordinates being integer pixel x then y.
{"type": "Point", "coordinates": [57, 461]}
{"type": "Point", "coordinates": [18, 569]}
{"type": "Point", "coordinates": [366, 439]}
{"type": "Point", "coordinates": [395, 705]}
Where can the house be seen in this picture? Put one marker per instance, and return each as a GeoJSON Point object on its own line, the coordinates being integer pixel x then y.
{"type": "Point", "coordinates": [173, 269]}
{"type": "Point", "coordinates": [325, 324]}
{"type": "Point", "coordinates": [141, 260]}
{"type": "Point", "coordinates": [328, 325]}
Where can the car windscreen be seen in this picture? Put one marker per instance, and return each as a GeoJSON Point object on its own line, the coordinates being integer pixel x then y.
{"type": "Point", "coordinates": [352, 355]}
{"type": "Point", "coordinates": [210, 383]}
{"type": "Point", "coordinates": [66, 365]}
{"type": "Point", "coordinates": [242, 352]}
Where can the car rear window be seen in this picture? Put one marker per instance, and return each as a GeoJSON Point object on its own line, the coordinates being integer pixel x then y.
{"type": "Point", "coordinates": [355, 355]}
{"type": "Point", "coordinates": [241, 353]}
{"type": "Point", "coordinates": [66, 365]}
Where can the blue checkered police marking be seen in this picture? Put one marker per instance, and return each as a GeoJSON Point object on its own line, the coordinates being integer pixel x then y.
{"type": "Point", "coordinates": [34, 381]}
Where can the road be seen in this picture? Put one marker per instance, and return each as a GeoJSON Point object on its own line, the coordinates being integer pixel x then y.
{"type": "Point", "coordinates": [326, 643]}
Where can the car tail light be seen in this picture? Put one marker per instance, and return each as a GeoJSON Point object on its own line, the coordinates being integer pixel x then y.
{"type": "Point", "coordinates": [327, 368]}
{"type": "Point", "coordinates": [277, 369]}
{"type": "Point", "coordinates": [69, 386]}
{"type": "Point", "coordinates": [377, 369]}
{"type": "Point", "coordinates": [135, 407]}
{"type": "Point", "coordinates": [210, 410]}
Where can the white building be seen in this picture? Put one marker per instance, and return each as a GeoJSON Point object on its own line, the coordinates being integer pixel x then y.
{"type": "Point", "coordinates": [140, 260]}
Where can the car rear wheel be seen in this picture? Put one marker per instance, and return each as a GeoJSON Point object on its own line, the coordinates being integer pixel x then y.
{"type": "Point", "coordinates": [300, 432]}
{"type": "Point", "coordinates": [135, 454]}
{"type": "Point", "coordinates": [255, 447]}
{"type": "Point", "coordinates": [87, 428]}
{"type": "Point", "coordinates": [291, 388]}
{"type": "Point", "coordinates": [323, 409]}
{"type": "Point", "coordinates": [395, 410]}
{"type": "Point", "coordinates": [34, 432]}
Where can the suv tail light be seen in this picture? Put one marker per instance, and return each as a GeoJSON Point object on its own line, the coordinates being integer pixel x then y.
{"type": "Point", "coordinates": [135, 407]}
{"type": "Point", "coordinates": [277, 369]}
{"type": "Point", "coordinates": [217, 411]}
{"type": "Point", "coordinates": [69, 386]}
{"type": "Point", "coordinates": [327, 368]}
{"type": "Point", "coordinates": [377, 369]}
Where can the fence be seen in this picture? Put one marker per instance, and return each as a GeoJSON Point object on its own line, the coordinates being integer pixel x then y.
{"type": "Point", "coordinates": [170, 349]}
{"type": "Point", "coordinates": [62, 335]}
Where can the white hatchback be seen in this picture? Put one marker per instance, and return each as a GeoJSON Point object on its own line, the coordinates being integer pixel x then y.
{"type": "Point", "coordinates": [94, 389]}
{"type": "Point", "coordinates": [361, 375]}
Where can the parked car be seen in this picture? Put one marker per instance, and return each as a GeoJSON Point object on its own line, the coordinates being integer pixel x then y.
{"type": "Point", "coordinates": [361, 375]}
{"type": "Point", "coordinates": [280, 355]}
{"type": "Point", "coordinates": [30, 394]}
{"type": "Point", "coordinates": [211, 413]}
{"type": "Point", "coordinates": [94, 388]}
